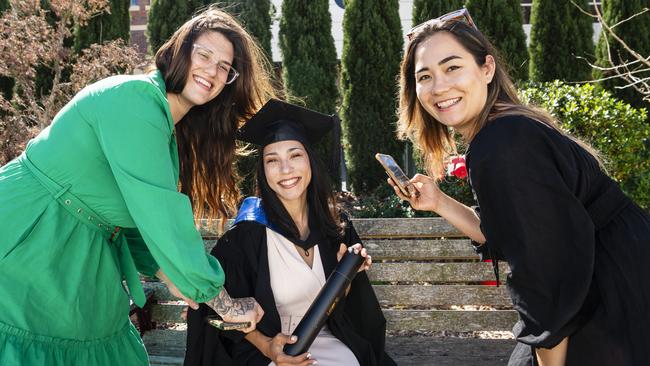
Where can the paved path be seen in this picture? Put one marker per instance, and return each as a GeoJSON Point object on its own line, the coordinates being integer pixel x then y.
{"type": "Point", "coordinates": [405, 350]}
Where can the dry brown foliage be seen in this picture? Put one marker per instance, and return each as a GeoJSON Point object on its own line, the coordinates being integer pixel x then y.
{"type": "Point", "coordinates": [29, 42]}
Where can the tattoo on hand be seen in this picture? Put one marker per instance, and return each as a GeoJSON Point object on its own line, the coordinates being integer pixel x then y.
{"type": "Point", "coordinates": [224, 305]}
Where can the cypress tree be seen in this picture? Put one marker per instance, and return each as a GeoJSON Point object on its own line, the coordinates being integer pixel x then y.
{"type": "Point", "coordinates": [635, 33]}
{"type": "Point", "coordinates": [502, 22]}
{"type": "Point", "coordinates": [6, 83]}
{"type": "Point", "coordinates": [165, 17]}
{"type": "Point", "coordinates": [424, 10]}
{"type": "Point", "coordinates": [309, 62]}
{"type": "Point", "coordinates": [255, 16]}
{"type": "Point", "coordinates": [372, 48]}
{"type": "Point", "coordinates": [560, 33]}
{"type": "Point", "coordinates": [105, 27]}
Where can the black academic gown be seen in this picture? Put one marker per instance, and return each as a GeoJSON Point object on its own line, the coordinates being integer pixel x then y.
{"type": "Point", "coordinates": [357, 320]}
{"type": "Point", "coordinates": [577, 247]}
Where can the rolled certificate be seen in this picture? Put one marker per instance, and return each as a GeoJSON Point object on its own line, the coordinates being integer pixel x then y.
{"type": "Point", "coordinates": [325, 302]}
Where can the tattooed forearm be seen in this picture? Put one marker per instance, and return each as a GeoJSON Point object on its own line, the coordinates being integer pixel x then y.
{"type": "Point", "coordinates": [226, 306]}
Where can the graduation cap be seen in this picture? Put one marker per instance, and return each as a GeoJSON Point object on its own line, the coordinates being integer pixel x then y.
{"type": "Point", "coordinates": [281, 121]}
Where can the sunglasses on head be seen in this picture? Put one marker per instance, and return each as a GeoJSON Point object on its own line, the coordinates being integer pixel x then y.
{"type": "Point", "coordinates": [460, 15]}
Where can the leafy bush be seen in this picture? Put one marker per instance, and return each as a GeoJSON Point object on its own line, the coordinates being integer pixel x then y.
{"type": "Point", "coordinates": [381, 202]}
{"type": "Point", "coordinates": [620, 132]}
{"type": "Point", "coordinates": [459, 189]}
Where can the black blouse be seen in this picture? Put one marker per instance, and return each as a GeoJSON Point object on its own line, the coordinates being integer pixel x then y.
{"type": "Point", "coordinates": [547, 208]}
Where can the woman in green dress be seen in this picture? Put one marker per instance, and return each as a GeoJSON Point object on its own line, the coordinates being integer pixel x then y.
{"type": "Point", "coordinates": [94, 200]}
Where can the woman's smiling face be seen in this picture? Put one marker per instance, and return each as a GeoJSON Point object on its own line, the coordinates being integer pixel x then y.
{"type": "Point", "coordinates": [450, 85]}
{"type": "Point", "coordinates": [287, 170]}
{"type": "Point", "coordinates": [206, 79]}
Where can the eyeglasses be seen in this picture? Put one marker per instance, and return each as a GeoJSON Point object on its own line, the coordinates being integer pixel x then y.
{"type": "Point", "coordinates": [204, 58]}
{"type": "Point", "coordinates": [460, 15]}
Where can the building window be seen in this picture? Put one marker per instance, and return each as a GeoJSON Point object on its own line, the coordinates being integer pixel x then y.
{"type": "Point", "coordinates": [134, 2]}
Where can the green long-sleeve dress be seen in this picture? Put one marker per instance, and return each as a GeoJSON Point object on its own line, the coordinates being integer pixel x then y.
{"type": "Point", "coordinates": [92, 201]}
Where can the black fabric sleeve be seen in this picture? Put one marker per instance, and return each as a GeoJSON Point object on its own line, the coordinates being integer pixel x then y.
{"type": "Point", "coordinates": [529, 211]}
{"type": "Point", "coordinates": [361, 310]}
{"type": "Point", "coordinates": [234, 253]}
{"type": "Point", "coordinates": [207, 345]}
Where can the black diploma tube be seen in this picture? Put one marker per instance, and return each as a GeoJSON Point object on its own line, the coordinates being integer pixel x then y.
{"type": "Point", "coordinates": [325, 302]}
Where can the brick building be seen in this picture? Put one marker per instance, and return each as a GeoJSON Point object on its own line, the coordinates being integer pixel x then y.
{"type": "Point", "coordinates": [139, 10]}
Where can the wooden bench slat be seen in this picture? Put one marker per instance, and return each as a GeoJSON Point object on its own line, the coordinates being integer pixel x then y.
{"type": "Point", "coordinates": [420, 249]}
{"type": "Point", "coordinates": [451, 320]}
{"type": "Point", "coordinates": [412, 228]}
{"type": "Point", "coordinates": [409, 249]}
{"type": "Point", "coordinates": [413, 320]}
{"type": "Point", "coordinates": [408, 295]}
{"type": "Point", "coordinates": [445, 295]}
{"type": "Point", "coordinates": [435, 272]}
{"type": "Point", "coordinates": [376, 227]}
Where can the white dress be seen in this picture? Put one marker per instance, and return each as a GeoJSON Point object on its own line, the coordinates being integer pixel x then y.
{"type": "Point", "coordinates": [295, 286]}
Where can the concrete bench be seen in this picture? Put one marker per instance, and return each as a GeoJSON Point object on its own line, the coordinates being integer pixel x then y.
{"type": "Point", "coordinates": [429, 282]}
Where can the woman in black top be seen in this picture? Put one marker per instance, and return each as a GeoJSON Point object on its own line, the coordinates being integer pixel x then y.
{"type": "Point", "coordinates": [577, 247]}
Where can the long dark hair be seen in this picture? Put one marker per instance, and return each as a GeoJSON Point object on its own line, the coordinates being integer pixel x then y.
{"type": "Point", "coordinates": [434, 139]}
{"type": "Point", "coordinates": [206, 134]}
{"type": "Point", "coordinates": [320, 200]}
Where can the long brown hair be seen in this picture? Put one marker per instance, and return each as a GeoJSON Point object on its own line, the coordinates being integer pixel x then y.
{"type": "Point", "coordinates": [206, 134]}
{"type": "Point", "coordinates": [435, 140]}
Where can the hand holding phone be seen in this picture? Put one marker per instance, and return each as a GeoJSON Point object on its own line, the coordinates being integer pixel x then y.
{"type": "Point", "coordinates": [222, 325]}
{"type": "Point", "coordinates": [397, 175]}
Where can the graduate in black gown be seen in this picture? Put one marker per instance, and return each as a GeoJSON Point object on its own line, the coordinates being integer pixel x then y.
{"type": "Point", "coordinates": [296, 215]}
{"type": "Point", "coordinates": [577, 247]}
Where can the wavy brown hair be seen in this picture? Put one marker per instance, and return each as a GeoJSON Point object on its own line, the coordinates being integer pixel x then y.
{"type": "Point", "coordinates": [435, 140]}
{"type": "Point", "coordinates": [206, 134]}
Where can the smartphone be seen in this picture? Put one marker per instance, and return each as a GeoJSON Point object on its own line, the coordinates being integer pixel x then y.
{"type": "Point", "coordinates": [222, 325]}
{"type": "Point", "coordinates": [397, 175]}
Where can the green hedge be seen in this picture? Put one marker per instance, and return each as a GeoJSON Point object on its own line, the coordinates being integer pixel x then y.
{"type": "Point", "coordinates": [620, 132]}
